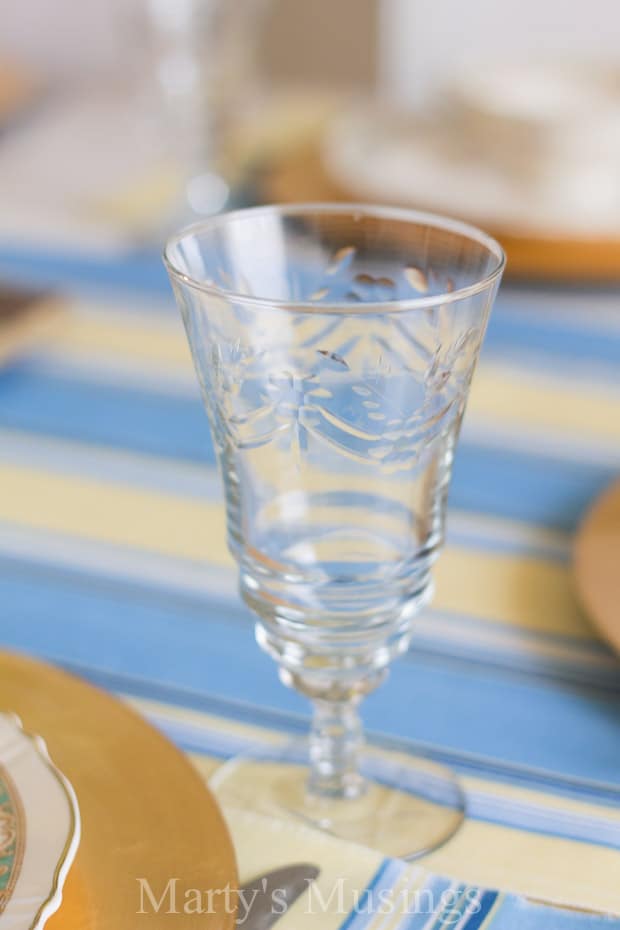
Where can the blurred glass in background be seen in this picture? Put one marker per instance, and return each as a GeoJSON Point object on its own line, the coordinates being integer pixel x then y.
{"type": "Point", "coordinates": [196, 68]}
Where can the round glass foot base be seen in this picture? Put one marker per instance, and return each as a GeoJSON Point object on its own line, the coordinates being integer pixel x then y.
{"type": "Point", "coordinates": [407, 821]}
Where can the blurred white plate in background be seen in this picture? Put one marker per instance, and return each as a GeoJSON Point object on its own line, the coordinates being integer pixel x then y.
{"type": "Point", "coordinates": [532, 149]}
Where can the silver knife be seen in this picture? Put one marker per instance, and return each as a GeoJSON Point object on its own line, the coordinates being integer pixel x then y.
{"type": "Point", "coordinates": [267, 898]}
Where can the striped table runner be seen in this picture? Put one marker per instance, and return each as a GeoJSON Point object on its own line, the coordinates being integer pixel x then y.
{"type": "Point", "coordinates": [113, 563]}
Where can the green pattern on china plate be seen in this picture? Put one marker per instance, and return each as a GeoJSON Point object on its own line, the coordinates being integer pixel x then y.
{"type": "Point", "coordinates": [11, 837]}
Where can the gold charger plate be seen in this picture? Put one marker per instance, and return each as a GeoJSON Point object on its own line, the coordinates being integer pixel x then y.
{"type": "Point", "coordinates": [597, 564]}
{"type": "Point", "coordinates": [145, 812]}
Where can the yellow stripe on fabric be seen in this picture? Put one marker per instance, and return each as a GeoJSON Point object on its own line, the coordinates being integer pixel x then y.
{"type": "Point", "coordinates": [263, 843]}
{"type": "Point", "coordinates": [156, 339]}
{"type": "Point", "coordinates": [501, 588]}
{"type": "Point", "coordinates": [172, 713]}
{"type": "Point", "coordinates": [113, 513]}
{"type": "Point", "coordinates": [537, 399]}
{"type": "Point", "coordinates": [565, 872]}
{"type": "Point", "coordinates": [205, 765]}
{"type": "Point", "coordinates": [526, 592]}
{"type": "Point", "coordinates": [573, 875]}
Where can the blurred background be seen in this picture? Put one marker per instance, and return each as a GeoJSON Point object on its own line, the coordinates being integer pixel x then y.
{"type": "Point", "coordinates": [124, 118]}
{"type": "Point", "coordinates": [120, 120]}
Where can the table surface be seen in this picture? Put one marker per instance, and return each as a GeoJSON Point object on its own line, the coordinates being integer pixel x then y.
{"type": "Point", "coordinates": [113, 562]}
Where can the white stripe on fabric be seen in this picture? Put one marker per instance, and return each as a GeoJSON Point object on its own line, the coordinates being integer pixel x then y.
{"type": "Point", "coordinates": [118, 563]}
{"type": "Point", "coordinates": [133, 373]}
{"type": "Point", "coordinates": [111, 465]}
{"type": "Point", "coordinates": [564, 446]}
{"type": "Point", "coordinates": [487, 532]}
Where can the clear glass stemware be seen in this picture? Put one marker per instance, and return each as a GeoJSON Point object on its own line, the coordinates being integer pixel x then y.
{"type": "Point", "coordinates": [335, 347]}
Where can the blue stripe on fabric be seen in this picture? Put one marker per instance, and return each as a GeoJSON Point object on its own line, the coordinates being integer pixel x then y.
{"type": "Point", "coordinates": [431, 902]}
{"type": "Point", "coordinates": [594, 677]}
{"type": "Point", "coordinates": [357, 919]}
{"type": "Point", "coordinates": [287, 721]}
{"type": "Point", "coordinates": [514, 485]}
{"type": "Point", "coordinates": [140, 271]}
{"type": "Point", "coordinates": [141, 421]}
{"type": "Point", "coordinates": [543, 724]}
{"type": "Point", "coordinates": [586, 671]}
{"type": "Point", "coordinates": [476, 920]}
{"type": "Point", "coordinates": [450, 902]}
{"type": "Point", "coordinates": [563, 324]}
{"type": "Point", "coordinates": [515, 337]}
{"type": "Point", "coordinates": [530, 816]}
{"type": "Point", "coordinates": [456, 907]}
{"type": "Point", "coordinates": [523, 486]}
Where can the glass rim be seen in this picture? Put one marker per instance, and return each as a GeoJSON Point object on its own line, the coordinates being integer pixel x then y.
{"type": "Point", "coordinates": [402, 214]}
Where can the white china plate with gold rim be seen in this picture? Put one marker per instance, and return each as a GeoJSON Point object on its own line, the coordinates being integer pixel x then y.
{"type": "Point", "coordinates": [39, 829]}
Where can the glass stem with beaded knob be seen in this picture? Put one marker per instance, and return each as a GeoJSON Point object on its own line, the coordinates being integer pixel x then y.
{"type": "Point", "coordinates": [335, 347]}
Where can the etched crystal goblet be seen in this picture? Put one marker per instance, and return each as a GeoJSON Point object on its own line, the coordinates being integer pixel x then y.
{"type": "Point", "coordinates": [335, 346]}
